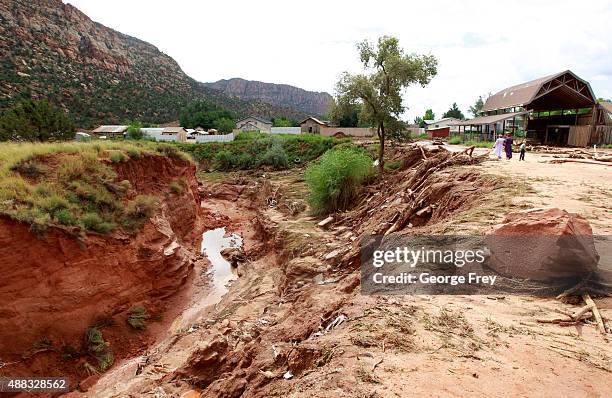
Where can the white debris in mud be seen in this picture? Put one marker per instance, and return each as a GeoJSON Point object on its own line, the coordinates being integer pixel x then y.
{"type": "Point", "coordinates": [171, 248]}
{"type": "Point", "coordinates": [332, 254]}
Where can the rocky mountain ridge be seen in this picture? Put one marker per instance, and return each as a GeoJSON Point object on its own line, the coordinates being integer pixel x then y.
{"type": "Point", "coordinates": [311, 102]}
{"type": "Point", "coordinates": [51, 50]}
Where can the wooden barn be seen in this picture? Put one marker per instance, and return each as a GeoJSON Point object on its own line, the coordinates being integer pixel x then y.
{"type": "Point", "coordinates": [559, 109]}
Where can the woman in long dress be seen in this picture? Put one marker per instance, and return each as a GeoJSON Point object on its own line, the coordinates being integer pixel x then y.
{"type": "Point", "coordinates": [498, 147]}
{"type": "Point", "coordinates": [508, 146]}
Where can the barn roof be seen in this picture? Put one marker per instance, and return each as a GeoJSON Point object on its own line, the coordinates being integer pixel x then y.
{"type": "Point", "coordinates": [488, 119]}
{"type": "Point", "coordinates": [314, 119]}
{"type": "Point", "coordinates": [256, 118]}
{"type": "Point", "coordinates": [172, 130]}
{"type": "Point", "coordinates": [110, 129]}
{"type": "Point", "coordinates": [560, 90]}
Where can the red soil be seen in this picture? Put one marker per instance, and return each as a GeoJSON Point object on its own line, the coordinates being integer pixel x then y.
{"type": "Point", "coordinates": [54, 287]}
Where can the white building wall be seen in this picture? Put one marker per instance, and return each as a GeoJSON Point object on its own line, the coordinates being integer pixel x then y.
{"type": "Point", "coordinates": [286, 130]}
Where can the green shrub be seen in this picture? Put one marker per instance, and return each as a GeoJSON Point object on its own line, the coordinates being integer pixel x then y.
{"type": "Point", "coordinates": [480, 144]}
{"type": "Point", "coordinates": [335, 180]}
{"type": "Point", "coordinates": [116, 156]}
{"type": "Point", "coordinates": [275, 156]}
{"type": "Point", "coordinates": [138, 318]}
{"type": "Point", "coordinates": [393, 165]}
{"type": "Point", "coordinates": [224, 160]}
{"type": "Point", "coordinates": [250, 150]}
{"type": "Point", "coordinates": [178, 186]}
{"type": "Point", "coordinates": [99, 349]}
{"type": "Point", "coordinates": [173, 152]}
{"type": "Point", "coordinates": [134, 153]}
{"type": "Point", "coordinates": [69, 184]}
{"type": "Point", "coordinates": [138, 211]}
{"type": "Point", "coordinates": [454, 140]}
{"type": "Point", "coordinates": [65, 217]}
{"type": "Point", "coordinates": [30, 168]}
{"type": "Point", "coordinates": [93, 222]}
{"type": "Point", "coordinates": [134, 132]}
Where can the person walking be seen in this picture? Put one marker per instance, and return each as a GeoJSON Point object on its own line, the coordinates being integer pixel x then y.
{"type": "Point", "coordinates": [498, 147]}
{"type": "Point", "coordinates": [508, 146]}
{"type": "Point", "coordinates": [522, 150]}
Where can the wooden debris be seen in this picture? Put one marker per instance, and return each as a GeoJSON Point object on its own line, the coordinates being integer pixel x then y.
{"type": "Point", "coordinates": [581, 312]}
{"type": "Point", "coordinates": [600, 324]}
{"type": "Point", "coordinates": [423, 153]}
{"type": "Point", "coordinates": [569, 160]}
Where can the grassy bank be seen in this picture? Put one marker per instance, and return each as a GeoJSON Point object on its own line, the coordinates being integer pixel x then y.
{"type": "Point", "coordinates": [74, 185]}
{"type": "Point", "coordinates": [252, 150]}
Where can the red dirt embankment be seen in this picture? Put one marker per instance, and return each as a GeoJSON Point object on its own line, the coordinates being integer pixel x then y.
{"type": "Point", "coordinates": [53, 287]}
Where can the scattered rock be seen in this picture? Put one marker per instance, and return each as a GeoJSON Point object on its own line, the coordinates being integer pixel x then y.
{"type": "Point", "coordinates": [235, 256]}
{"type": "Point", "coordinates": [86, 384]}
{"type": "Point", "coordinates": [325, 222]}
{"type": "Point", "coordinates": [332, 254]}
{"type": "Point", "coordinates": [191, 394]}
{"type": "Point", "coordinates": [541, 244]}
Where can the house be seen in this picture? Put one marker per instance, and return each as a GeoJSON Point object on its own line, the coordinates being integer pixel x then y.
{"type": "Point", "coordinates": [254, 123]}
{"type": "Point", "coordinates": [110, 131]}
{"type": "Point", "coordinates": [442, 123]}
{"type": "Point", "coordinates": [81, 136]}
{"type": "Point", "coordinates": [312, 125]}
{"type": "Point", "coordinates": [179, 134]}
{"type": "Point", "coordinates": [559, 109]}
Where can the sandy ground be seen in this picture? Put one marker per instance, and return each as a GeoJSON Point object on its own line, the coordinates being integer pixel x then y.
{"type": "Point", "coordinates": [578, 188]}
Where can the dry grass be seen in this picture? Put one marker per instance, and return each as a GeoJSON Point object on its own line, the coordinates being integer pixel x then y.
{"type": "Point", "coordinates": [385, 328]}
{"type": "Point", "coordinates": [71, 185]}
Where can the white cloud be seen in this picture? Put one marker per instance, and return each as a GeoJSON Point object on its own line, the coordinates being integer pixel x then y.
{"type": "Point", "coordinates": [482, 46]}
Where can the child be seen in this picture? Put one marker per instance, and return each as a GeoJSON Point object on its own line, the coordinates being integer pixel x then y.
{"type": "Point", "coordinates": [522, 149]}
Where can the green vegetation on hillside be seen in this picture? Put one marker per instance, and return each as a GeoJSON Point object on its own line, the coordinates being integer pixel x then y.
{"type": "Point", "coordinates": [284, 122]}
{"type": "Point", "coordinates": [82, 75]}
{"type": "Point", "coordinates": [251, 150]}
{"type": "Point", "coordinates": [208, 116]}
{"type": "Point", "coordinates": [74, 185]}
{"type": "Point", "coordinates": [35, 121]}
{"type": "Point", "coordinates": [335, 179]}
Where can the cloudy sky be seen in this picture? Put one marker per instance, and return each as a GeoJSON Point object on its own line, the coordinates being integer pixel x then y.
{"type": "Point", "coordinates": [482, 46]}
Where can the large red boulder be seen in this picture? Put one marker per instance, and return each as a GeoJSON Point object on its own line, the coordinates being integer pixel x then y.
{"type": "Point", "coordinates": [541, 244]}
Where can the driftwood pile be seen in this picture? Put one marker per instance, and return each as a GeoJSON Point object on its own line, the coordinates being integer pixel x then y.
{"type": "Point", "coordinates": [587, 312]}
{"type": "Point", "coordinates": [412, 197]}
{"type": "Point", "coordinates": [573, 155]}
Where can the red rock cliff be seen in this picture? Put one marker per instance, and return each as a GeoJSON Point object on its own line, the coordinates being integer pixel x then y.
{"type": "Point", "coordinates": [53, 287]}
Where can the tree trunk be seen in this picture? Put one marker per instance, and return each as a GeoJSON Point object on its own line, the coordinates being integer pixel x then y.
{"type": "Point", "coordinates": [381, 150]}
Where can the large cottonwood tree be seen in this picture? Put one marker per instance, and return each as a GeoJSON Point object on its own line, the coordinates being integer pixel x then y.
{"type": "Point", "coordinates": [387, 72]}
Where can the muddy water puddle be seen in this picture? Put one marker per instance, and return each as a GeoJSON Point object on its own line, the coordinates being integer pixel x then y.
{"type": "Point", "coordinates": [213, 242]}
{"type": "Point", "coordinates": [220, 274]}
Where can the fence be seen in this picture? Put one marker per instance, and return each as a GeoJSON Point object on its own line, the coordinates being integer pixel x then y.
{"type": "Point", "coordinates": [201, 138]}
{"type": "Point", "coordinates": [286, 130]}
{"type": "Point", "coordinates": [156, 134]}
